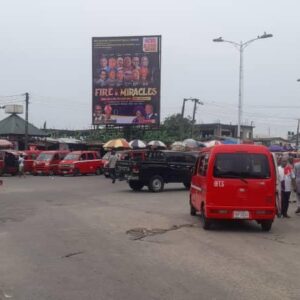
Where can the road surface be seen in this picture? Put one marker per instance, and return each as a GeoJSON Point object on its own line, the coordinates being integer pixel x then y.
{"type": "Point", "coordinates": [75, 238]}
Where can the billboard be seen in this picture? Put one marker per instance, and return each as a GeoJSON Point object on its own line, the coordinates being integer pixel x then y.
{"type": "Point", "coordinates": [126, 80]}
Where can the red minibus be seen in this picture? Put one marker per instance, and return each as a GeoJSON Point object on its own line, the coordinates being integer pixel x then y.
{"type": "Point", "coordinates": [81, 162]}
{"type": "Point", "coordinates": [234, 182]}
{"type": "Point", "coordinates": [47, 162]}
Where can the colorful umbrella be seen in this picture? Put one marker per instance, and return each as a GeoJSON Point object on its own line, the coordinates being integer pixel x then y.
{"type": "Point", "coordinates": [212, 143]}
{"type": "Point", "coordinates": [156, 144]}
{"type": "Point", "coordinates": [117, 143]}
{"type": "Point", "coordinates": [137, 144]}
{"type": "Point", "coordinates": [275, 148]}
{"type": "Point", "coordinates": [5, 144]}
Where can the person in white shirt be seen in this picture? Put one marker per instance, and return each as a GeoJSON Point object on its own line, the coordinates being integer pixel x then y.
{"type": "Point", "coordinates": [21, 165]}
{"type": "Point", "coordinates": [286, 177]}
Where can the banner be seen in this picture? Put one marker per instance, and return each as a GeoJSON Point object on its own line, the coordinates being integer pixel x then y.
{"type": "Point", "coordinates": [126, 80]}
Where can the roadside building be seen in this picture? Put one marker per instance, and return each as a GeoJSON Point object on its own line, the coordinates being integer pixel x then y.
{"type": "Point", "coordinates": [219, 130]}
{"type": "Point", "coordinates": [12, 128]}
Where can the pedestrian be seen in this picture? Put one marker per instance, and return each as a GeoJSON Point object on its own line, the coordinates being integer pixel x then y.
{"type": "Point", "coordinates": [21, 165]}
{"type": "Point", "coordinates": [286, 177]}
{"type": "Point", "coordinates": [297, 185]}
{"type": "Point", "coordinates": [112, 165]}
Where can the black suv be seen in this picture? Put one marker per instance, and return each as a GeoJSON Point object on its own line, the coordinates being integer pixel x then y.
{"type": "Point", "coordinates": [160, 167]}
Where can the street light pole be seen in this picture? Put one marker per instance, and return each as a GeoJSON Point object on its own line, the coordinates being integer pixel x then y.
{"type": "Point", "coordinates": [241, 46]}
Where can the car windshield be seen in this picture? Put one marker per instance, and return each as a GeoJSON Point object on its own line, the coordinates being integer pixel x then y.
{"type": "Point", "coordinates": [72, 156]}
{"type": "Point", "coordinates": [241, 165]}
{"type": "Point", "coordinates": [45, 156]}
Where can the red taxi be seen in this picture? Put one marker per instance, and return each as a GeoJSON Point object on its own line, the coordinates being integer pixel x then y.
{"type": "Point", "coordinates": [47, 162]}
{"type": "Point", "coordinates": [234, 182]}
{"type": "Point", "coordinates": [29, 158]}
{"type": "Point", "coordinates": [81, 162]}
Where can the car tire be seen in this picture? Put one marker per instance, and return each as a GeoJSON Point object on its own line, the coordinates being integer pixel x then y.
{"type": "Point", "coordinates": [76, 172]}
{"type": "Point", "coordinates": [206, 223]}
{"type": "Point", "coordinates": [187, 185]}
{"type": "Point", "coordinates": [98, 172]}
{"type": "Point", "coordinates": [156, 184]}
{"type": "Point", "coordinates": [135, 185]}
{"type": "Point", "coordinates": [193, 210]}
{"type": "Point", "coordinates": [266, 225]}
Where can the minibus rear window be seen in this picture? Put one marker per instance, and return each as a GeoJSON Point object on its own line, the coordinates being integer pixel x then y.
{"type": "Point", "coordinates": [241, 165]}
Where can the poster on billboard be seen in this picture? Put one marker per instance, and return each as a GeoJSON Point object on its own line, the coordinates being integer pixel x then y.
{"type": "Point", "coordinates": [126, 80]}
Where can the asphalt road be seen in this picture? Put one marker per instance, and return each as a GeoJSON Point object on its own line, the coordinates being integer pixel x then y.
{"type": "Point", "coordinates": [75, 238]}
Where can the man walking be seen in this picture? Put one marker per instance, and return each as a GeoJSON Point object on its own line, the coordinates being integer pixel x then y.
{"type": "Point", "coordinates": [112, 165]}
{"type": "Point", "coordinates": [21, 165]}
{"type": "Point", "coordinates": [297, 185]}
{"type": "Point", "coordinates": [286, 177]}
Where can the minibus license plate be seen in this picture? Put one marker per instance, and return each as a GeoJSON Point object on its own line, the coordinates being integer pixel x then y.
{"type": "Point", "coordinates": [241, 214]}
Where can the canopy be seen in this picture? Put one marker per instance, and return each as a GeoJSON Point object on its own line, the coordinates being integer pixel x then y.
{"type": "Point", "coordinates": [117, 143]}
{"type": "Point", "coordinates": [178, 146]}
{"type": "Point", "coordinates": [5, 144]}
{"type": "Point", "coordinates": [156, 144]}
{"type": "Point", "coordinates": [137, 144]}
{"type": "Point", "coordinates": [276, 148]}
{"type": "Point", "coordinates": [191, 143]}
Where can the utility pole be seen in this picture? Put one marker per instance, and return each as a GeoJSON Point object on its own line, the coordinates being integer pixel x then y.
{"type": "Point", "coordinates": [26, 120]}
{"type": "Point", "coordinates": [196, 102]}
{"type": "Point", "coordinates": [297, 136]}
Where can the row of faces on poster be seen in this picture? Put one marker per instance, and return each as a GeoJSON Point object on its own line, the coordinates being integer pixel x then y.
{"type": "Point", "coordinates": [143, 114]}
{"type": "Point", "coordinates": [123, 71]}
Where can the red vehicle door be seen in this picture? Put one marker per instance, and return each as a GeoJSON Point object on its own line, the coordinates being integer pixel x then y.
{"type": "Point", "coordinates": [199, 181]}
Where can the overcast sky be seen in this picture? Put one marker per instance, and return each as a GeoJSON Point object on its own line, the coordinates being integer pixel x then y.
{"type": "Point", "coordinates": [45, 49]}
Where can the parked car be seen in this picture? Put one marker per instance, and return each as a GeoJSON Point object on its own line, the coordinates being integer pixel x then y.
{"type": "Point", "coordinates": [29, 158]}
{"type": "Point", "coordinates": [47, 162]}
{"type": "Point", "coordinates": [8, 162]}
{"type": "Point", "coordinates": [158, 168]}
{"type": "Point", "coordinates": [81, 162]}
{"type": "Point", "coordinates": [234, 182]}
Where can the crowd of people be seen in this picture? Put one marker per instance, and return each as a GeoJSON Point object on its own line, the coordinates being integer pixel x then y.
{"type": "Point", "coordinates": [289, 177]}
{"type": "Point", "coordinates": [122, 71]}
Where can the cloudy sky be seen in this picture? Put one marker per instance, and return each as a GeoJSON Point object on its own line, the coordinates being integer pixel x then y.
{"type": "Point", "coordinates": [45, 49]}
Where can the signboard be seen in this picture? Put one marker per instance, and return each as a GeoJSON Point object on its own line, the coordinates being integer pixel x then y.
{"type": "Point", "coordinates": [14, 109]}
{"type": "Point", "coordinates": [126, 80]}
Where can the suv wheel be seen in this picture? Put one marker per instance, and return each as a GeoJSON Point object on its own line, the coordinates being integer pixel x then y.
{"type": "Point", "coordinates": [135, 185]}
{"type": "Point", "coordinates": [156, 184]}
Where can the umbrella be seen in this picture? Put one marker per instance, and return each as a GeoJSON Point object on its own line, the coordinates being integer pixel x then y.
{"type": "Point", "coordinates": [137, 144]}
{"type": "Point", "coordinates": [190, 143]}
{"type": "Point", "coordinates": [212, 143]}
{"type": "Point", "coordinates": [178, 146]}
{"type": "Point", "coordinates": [117, 143]}
{"type": "Point", "coordinates": [5, 144]}
{"type": "Point", "coordinates": [275, 148]}
{"type": "Point", "coordinates": [229, 141]}
{"type": "Point", "coordinates": [156, 144]}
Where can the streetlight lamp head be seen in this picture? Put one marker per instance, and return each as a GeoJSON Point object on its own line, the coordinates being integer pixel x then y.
{"type": "Point", "coordinates": [298, 80]}
{"type": "Point", "coordinates": [265, 36]}
{"type": "Point", "coordinates": [218, 40]}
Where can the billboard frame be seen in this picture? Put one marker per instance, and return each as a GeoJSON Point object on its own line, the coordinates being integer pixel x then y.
{"type": "Point", "coordinates": [151, 126]}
